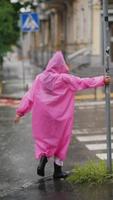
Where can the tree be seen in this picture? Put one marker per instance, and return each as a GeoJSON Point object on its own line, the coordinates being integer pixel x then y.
{"type": "Point", "coordinates": [9, 30]}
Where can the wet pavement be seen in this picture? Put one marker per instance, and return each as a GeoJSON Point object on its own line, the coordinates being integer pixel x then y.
{"type": "Point", "coordinates": [49, 190]}
{"type": "Point", "coordinates": [18, 166]}
{"type": "Point", "coordinates": [18, 179]}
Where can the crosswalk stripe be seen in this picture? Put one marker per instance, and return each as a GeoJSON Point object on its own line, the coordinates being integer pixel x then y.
{"type": "Point", "coordinates": [90, 131]}
{"type": "Point", "coordinates": [92, 138]}
{"type": "Point", "coordinates": [94, 147]}
{"type": "Point", "coordinates": [103, 156]}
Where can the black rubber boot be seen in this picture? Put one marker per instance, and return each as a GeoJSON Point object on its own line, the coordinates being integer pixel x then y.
{"type": "Point", "coordinates": [58, 173]}
{"type": "Point", "coordinates": [41, 166]}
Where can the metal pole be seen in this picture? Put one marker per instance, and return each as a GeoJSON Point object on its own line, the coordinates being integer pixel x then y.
{"type": "Point", "coordinates": [91, 30]}
{"type": "Point", "coordinates": [64, 47]}
{"type": "Point", "coordinates": [107, 87]}
{"type": "Point", "coordinates": [43, 43]}
{"type": "Point", "coordinates": [23, 67]}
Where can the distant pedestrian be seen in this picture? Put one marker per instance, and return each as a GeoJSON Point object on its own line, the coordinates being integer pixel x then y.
{"type": "Point", "coordinates": [52, 99]}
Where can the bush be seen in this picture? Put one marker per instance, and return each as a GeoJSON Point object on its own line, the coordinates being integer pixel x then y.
{"type": "Point", "coordinates": [90, 172]}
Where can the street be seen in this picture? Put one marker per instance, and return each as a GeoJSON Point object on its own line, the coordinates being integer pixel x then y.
{"type": "Point", "coordinates": [80, 33]}
{"type": "Point", "coordinates": [18, 166]}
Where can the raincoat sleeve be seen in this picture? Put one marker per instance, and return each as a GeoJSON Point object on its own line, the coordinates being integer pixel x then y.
{"type": "Point", "coordinates": [27, 101]}
{"type": "Point", "coordinates": [78, 83]}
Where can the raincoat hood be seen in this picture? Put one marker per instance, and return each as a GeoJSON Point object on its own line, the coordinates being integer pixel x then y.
{"type": "Point", "coordinates": [50, 78]}
{"type": "Point", "coordinates": [57, 64]}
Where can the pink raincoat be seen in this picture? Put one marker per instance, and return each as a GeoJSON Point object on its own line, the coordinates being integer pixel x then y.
{"type": "Point", "coordinates": [51, 99]}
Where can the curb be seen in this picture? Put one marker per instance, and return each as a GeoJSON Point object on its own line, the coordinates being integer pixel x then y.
{"type": "Point", "coordinates": [10, 97]}
{"type": "Point", "coordinates": [9, 100]}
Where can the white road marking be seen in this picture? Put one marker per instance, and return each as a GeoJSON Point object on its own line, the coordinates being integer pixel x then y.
{"type": "Point", "coordinates": [93, 147]}
{"type": "Point", "coordinates": [103, 156]}
{"type": "Point", "coordinates": [92, 138]}
{"type": "Point", "coordinates": [91, 131]}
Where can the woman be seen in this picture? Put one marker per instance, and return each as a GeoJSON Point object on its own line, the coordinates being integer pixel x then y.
{"type": "Point", "coordinates": [52, 99]}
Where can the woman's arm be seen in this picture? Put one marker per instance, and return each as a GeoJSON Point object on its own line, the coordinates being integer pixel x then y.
{"type": "Point", "coordinates": [25, 106]}
{"type": "Point", "coordinates": [78, 83]}
{"type": "Point", "coordinates": [26, 102]}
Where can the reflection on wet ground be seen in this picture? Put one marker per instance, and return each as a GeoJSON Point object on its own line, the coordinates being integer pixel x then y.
{"type": "Point", "coordinates": [60, 189]}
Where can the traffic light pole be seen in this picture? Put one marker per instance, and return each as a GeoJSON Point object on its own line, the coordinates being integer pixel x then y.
{"type": "Point", "coordinates": [107, 87]}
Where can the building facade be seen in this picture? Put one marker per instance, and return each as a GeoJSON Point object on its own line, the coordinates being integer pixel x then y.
{"type": "Point", "coordinates": [72, 26]}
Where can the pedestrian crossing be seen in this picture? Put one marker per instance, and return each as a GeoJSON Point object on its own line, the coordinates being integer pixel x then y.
{"type": "Point", "coordinates": [94, 140]}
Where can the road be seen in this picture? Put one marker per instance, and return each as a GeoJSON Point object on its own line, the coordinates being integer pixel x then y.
{"type": "Point", "coordinates": [18, 177]}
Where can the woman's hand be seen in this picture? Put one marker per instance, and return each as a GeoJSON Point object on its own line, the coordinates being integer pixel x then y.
{"type": "Point", "coordinates": [107, 80]}
{"type": "Point", "coordinates": [17, 119]}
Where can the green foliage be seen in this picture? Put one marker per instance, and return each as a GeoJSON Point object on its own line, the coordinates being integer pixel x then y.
{"type": "Point", "coordinates": [9, 31]}
{"type": "Point", "coordinates": [91, 172]}
{"type": "Point", "coordinates": [45, 1]}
